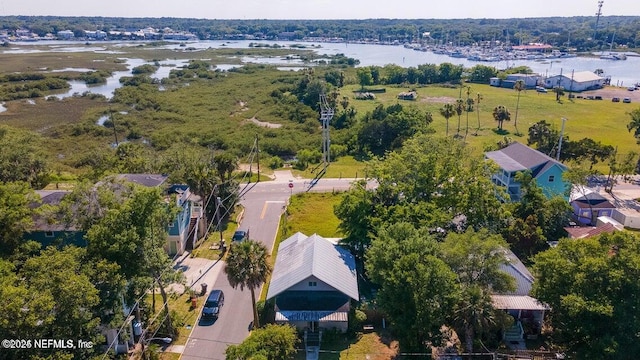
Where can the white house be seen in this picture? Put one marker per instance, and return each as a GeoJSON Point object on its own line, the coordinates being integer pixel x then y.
{"type": "Point", "coordinates": [530, 80]}
{"type": "Point", "coordinates": [65, 34]}
{"type": "Point", "coordinates": [576, 81]}
{"type": "Point", "coordinates": [313, 282]}
{"type": "Point", "coordinates": [525, 310]}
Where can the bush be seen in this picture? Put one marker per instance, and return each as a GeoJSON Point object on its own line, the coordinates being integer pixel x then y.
{"type": "Point", "coordinates": [275, 162]}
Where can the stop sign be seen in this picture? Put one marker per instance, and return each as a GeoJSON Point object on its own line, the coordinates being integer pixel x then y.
{"type": "Point", "coordinates": [291, 185]}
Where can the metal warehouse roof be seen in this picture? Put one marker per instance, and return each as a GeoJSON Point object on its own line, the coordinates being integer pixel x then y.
{"type": "Point", "coordinates": [300, 257]}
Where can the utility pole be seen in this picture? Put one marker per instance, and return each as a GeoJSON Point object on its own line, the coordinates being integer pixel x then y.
{"type": "Point", "coordinates": [560, 141]}
{"type": "Point", "coordinates": [218, 218]}
{"type": "Point", "coordinates": [258, 157]}
{"type": "Point", "coordinates": [113, 123]}
{"type": "Point", "coordinates": [598, 14]}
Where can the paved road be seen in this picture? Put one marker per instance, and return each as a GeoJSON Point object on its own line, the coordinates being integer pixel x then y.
{"type": "Point", "coordinates": [264, 204]}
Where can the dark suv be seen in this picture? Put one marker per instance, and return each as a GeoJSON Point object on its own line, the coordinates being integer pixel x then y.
{"type": "Point", "coordinates": [240, 235]}
{"type": "Point", "coordinates": [212, 306]}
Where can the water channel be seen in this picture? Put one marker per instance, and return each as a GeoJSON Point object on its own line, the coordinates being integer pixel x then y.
{"type": "Point", "coordinates": [622, 72]}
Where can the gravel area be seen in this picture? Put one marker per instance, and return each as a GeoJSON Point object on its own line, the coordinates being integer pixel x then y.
{"type": "Point", "coordinates": [610, 92]}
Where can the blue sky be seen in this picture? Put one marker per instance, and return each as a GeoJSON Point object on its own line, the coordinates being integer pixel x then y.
{"type": "Point", "coordinates": [319, 9]}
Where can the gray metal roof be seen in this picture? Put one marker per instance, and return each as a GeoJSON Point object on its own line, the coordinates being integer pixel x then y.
{"type": "Point", "coordinates": [517, 302]}
{"type": "Point", "coordinates": [321, 316]}
{"type": "Point", "coordinates": [519, 157]}
{"type": "Point", "coordinates": [148, 180]}
{"type": "Point", "coordinates": [517, 270]}
{"type": "Point", "coordinates": [300, 257]}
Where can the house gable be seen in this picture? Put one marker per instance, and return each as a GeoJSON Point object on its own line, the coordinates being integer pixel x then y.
{"type": "Point", "coordinates": [312, 283]}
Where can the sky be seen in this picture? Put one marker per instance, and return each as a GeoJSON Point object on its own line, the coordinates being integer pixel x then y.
{"type": "Point", "coordinates": [319, 9]}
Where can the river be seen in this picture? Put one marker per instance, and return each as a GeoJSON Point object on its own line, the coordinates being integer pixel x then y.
{"type": "Point", "coordinates": [622, 72]}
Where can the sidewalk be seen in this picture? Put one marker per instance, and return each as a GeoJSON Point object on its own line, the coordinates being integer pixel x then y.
{"type": "Point", "coordinates": [196, 271]}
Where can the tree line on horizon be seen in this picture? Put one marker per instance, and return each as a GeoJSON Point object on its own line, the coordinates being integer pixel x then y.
{"type": "Point", "coordinates": [579, 32]}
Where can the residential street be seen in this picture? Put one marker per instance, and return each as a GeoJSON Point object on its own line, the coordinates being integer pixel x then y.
{"type": "Point", "coordinates": [264, 204]}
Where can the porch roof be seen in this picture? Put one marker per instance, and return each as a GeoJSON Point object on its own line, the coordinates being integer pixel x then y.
{"type": "Point", "coordinates": [320, 316]}
{"type": "Point", "coordinates": [517, 302]}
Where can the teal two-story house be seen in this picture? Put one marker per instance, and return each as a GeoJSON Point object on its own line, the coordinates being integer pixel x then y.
{"type": "Point", "coordinates": [516, 158]}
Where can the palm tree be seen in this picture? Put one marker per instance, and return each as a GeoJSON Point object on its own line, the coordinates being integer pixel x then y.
{"type": "Point", "coordinates": [519, 86]}
{"type": "Point", "coordinates": [447, 111]}
{"type": "Point", "coordinates": [469, 108]}
{"type": "Point", "coordinates": [459, 108]}
{"type": "Point", "coordinates": [500, 113]}
{"type": "Point", "coordinates": [478, 98]}
{"type": "Point", "coordinates": [634, 124]}
{"type": "Point", "coordinates": [559, 91]}
{"type": "Point", "coordinates": [474, 313]}
{"type": "Point", "coordinates": [248, 266]}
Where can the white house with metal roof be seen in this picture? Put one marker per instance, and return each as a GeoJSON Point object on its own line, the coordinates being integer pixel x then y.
{"type": "Point", "coordinates": [576, 81]}
{"type": "Point", "coordinates": [313, 283]}
{"type": "Point", "coordinates": [525, 309]}
{"type": "Point", "coordinates": [518, 157]}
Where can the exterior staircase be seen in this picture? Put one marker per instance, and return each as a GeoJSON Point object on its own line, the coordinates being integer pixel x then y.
{"type": "Point", "coordinates": [312, 342]}
{"type": "Point", "coordinates": [191, 230]}
{"type": "Point", "coordinates": [514, 333]}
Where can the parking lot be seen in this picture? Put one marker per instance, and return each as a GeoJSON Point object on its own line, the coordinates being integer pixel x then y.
{"type": "Point", "coordinates": [610, 92]}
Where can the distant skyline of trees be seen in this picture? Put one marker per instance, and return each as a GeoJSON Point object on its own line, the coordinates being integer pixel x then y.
{"type": "Point", "coordinates": [576, 32]}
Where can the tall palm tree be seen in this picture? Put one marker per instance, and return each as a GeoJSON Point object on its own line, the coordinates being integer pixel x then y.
{"type": "Point", "coordinates": [469, 108]}
{"type": "Point", "coordinates": [248, 266]}
{"type": "Point", "coordinates": [474, 313]}
{"type": "Point", "coordinates": [459, 108]}
{"type": "Point", "coordinates": [519, 86]}
{"type": "Point", "coordinates": [478, 98]}
{"type": "Point", "coordinates": [501, 113]}
{"type": "Point", "coordinates": [447, 111]}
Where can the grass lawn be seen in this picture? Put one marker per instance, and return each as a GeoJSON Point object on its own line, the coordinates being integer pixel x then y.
{"type": "Point", "coordinates": [602, 121]}
{"type": "Point", "coordinates": [302, 215]}
{"type": "Point", "coordinates": [187, 316]}
{"type": "Point", "coordinates": [372, 346]}
{"type": "Point", "coordinates": [344, 167]}
{"type": "Point", "coordinates": [209, 248]}
{"type": "Point", "coordinates": [169, 356]}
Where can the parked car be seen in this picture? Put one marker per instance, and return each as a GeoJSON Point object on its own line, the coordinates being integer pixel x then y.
{"type": "Point", "coordinates": [631, 88]}
{"type": "Point", "coordinates": [626, 100]}
{"type": "Point", "coordinates": [598, 97]}
{"type": "Point", "coordinates": [541, 89]}
{"type": "Point", "coordinates": [212, 306]}
{"type": "Point", "coordinates": [615, 99]}
{"type": "Point", "coordinates": [590, 97]}
{"type": "Point", "coordinates": [240, 235]}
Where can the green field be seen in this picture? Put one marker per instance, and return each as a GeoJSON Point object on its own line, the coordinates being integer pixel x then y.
{"type": "Point", "coordinates": [599, 120]}
{"type": "Point", "coordinates": [312, 213]}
